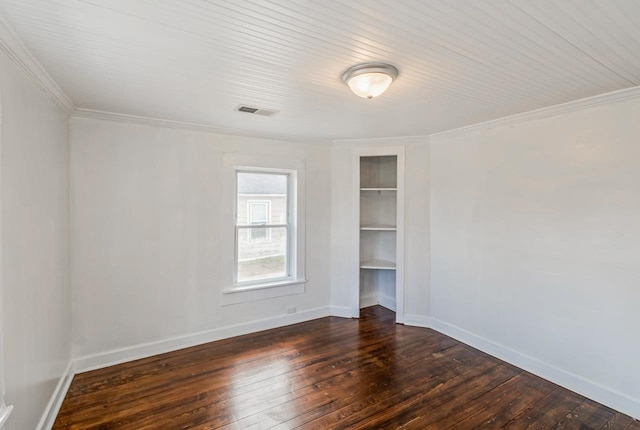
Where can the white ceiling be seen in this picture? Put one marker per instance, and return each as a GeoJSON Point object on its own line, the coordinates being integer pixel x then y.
{"type": "Point", "coordinates": [461, 62]}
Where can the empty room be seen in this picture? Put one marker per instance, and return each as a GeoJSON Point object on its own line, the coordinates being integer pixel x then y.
{"type": "Point", "coordinates": [296, 214]}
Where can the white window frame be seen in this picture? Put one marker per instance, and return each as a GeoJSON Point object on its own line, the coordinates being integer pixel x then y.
{"type": "Point", "coordinates": [290, 220]}
{"type": "Point", "coordinates": [267, 221]}
{"type": "Point", "coordinates": [232, 291]}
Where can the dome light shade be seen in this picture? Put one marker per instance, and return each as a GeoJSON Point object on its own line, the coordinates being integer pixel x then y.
{"type": "Point", "coordinates": [369, 80]}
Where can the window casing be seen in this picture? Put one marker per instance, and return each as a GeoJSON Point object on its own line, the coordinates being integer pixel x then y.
{"type": "Point", "coordinates": [289, 210]}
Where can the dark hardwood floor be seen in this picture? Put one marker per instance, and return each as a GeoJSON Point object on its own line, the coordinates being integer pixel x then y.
{"type": "Point", "coordinates": [328, 373]}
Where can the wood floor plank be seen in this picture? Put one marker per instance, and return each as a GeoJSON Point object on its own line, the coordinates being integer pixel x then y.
{"type": "Point", "coordinates": [381, 384]}
{"type": "Point", "coordinates": [496, 407]}
{"type": "Point", "coordinates": [547, 412]}
{"type": "Point", "coordinates": [618, 420]}
{"type": "Point", "coordinates": [393, 411]}
{"type": "Point", "coordinates": [589, 415]}
{"type": "Point", "coordinates": [328, 389]}
{"type": "Point", "coordinates": [328, 373]}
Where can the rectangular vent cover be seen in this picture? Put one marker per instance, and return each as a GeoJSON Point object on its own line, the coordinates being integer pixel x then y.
{"type": "Point", "coordinates": [255, 110]}
{"type": "Point", "coordinates": [247, 109]}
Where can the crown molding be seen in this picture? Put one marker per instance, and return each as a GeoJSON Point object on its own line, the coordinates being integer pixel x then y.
{"type": "Point", "coordinates": [184, 125]}
{"type": "Point", "coordinates": [144, 120]}
{"type": "Point", "coordinates": [545, 112]}
{"type": "Point", "coordinates": [382, 141]}
{"type": "Point", "coordinates": [568, 107]}
{"type": "Point", "coordinates": [13, 47]}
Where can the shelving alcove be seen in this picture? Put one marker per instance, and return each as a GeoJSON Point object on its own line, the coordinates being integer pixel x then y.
{"type": "Point", "coordinates": [379, 175]}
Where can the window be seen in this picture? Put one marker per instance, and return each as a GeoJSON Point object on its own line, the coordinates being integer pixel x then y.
{"type": "Point", "coordinates": [263, 245]}
{"type": "Point", "coordinates": [259, 214]}
{"type": "Point", "coordinates": [263, 225]}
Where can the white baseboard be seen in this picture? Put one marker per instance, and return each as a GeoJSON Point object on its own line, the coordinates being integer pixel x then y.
{"type": "Point", "coordinates": [51, 411]}
{"type": "Point", "coordinates": [369, 300]}
{"type": "Point", "coordinates": [135, 352]}
{"type": "Point", "coordinates": [580, 385]}
{"type": "Point", "coordinates": [388, 302]}
{"type": "Point", "coordinates": [383, 300]}
{"type": "Point", "coordinates": [590, 389]}
{"type": "Point", "coordinates": [341, 311]}
{"type": "Point", "coordinates": [417, 320]}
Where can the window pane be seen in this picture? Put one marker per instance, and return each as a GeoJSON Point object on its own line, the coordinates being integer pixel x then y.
{"type": "Point", "coordinates": [266, 188]}
{"type": "Point", "coordinates": [258, 234]}
{"type": "Point", "coordinates": [258, 213]}
{"type": "Point", "coordinates": [261, 253]}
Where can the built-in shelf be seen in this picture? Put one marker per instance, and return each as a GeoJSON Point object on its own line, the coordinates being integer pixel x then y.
{"type": "Point", "coordinates": [379, 192]}
{"type": "Point", "coordinates": [378, 189]}
{"type": "Point", "coordinates": [378, 264]}
{"type": "Point", "coordinates": [378, 227]}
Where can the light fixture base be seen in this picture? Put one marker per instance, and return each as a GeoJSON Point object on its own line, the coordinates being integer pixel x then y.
{"type": "Point", "coordinates": [369, 80]}
{"type": "Point", "coordinates": [360, 69]}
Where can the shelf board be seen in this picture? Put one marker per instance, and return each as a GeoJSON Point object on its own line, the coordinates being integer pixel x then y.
{"type": "Point", "coordinates": [378, 189]}
{"type": "Point", "coordinates": [378, 264]}
{"type": "Point", "coordinates": [378, 227]}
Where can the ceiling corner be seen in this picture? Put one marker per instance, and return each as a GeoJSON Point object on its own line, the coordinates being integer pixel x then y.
{"type": "Point", "coordinates": [17, 52]}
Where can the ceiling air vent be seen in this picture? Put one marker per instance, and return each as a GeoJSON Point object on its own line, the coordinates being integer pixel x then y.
{"type": "Point", "coordinates": [255, 110]}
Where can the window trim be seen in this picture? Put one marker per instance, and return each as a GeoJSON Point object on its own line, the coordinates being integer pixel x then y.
{"type": "Point", "coordinates": [231, 292]}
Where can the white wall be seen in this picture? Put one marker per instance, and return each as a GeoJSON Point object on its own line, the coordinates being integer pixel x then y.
{"type": "Point", "coordinates": [344, 289]}
{"type": "Point", "coordinates": [146, 228]}
{"type": "Point", "coordinates": [417, 234]}
{"type": "Point", "coordinates": [344, 285]}
{"type": "Point", "coordinates": [34, 179]}
{"type": "Point", "coordinates": [535, 240]}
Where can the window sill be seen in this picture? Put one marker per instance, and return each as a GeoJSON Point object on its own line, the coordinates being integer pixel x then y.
{"type": "Point", "coordinates": [267, 290]}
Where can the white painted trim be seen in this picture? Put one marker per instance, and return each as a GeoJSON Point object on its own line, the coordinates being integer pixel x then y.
{"type": "Point", "coordinates": [296, 169]}
{"type": "Point", "coordinates": [372, 151]}
{"type": "Point", "coordinates": [5, 410]}
{"type": "Point", "coordinates": [417, 320]}
{"type": "Point", "coordinates": [185, 125]}
{"type": "Point", "coordinates": [383, 141]}
{"type": "Point", "coordinates": [18, 53]}
{"type": "Point", "coordinates": [548, 111]}
{"type": "Point", "coordinates": [144, 120]}
{"type": "Point", "coordinates": [53, 407]}
{"type": "Point", "coordinates": [369, 300]}
{"type": "Point", "coordinates": [388, 302]}
{"type": "Point", "coordinates": [262, 292]}
{"type": "Point", "coordinates": [545, 112]}
{"type": "Point", "coordinates": [573, 382]}
{"type": "Point", "coordinates": [400, 242]}
{"type": "Point", "coordinates": [340, 311]}
{"type": "Point", "coordinates": [143, 350]}
{"type": "Point", "coordinates": [243, 288]}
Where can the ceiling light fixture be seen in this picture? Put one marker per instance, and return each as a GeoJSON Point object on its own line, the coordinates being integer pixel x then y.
{"type": "Point", "coordinates": [369, 80]}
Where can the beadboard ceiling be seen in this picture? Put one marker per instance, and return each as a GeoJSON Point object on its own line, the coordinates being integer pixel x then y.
{"type": "Point", "coordinates": [461, 62]}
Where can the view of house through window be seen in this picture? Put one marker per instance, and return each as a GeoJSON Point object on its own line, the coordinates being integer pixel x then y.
{"type": "Point", "coordinates": [259, 212]}
{"type": "Point", "coordinates": [262, 226]}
